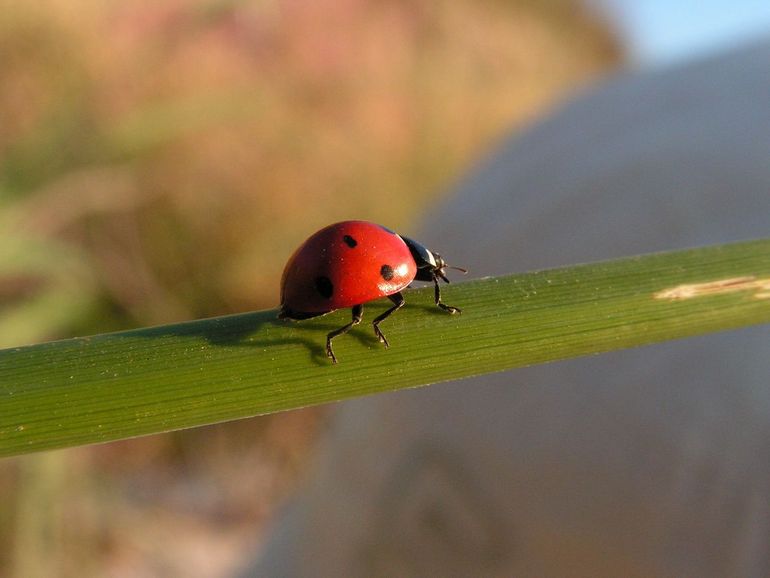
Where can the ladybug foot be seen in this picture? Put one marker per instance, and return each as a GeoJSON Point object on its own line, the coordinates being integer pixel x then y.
{"type": "Point", "coordinates": [381, 337]}
{"type": "Point", "coordinates": [449, 309]}
{"type": "Point", "coordinates": [330, 353]}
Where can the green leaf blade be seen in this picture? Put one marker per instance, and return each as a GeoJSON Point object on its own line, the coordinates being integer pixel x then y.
{"type": "Point", "coordinates": [145, 381]}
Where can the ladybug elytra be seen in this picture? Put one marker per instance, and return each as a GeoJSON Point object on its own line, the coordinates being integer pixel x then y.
{"type": "Point", "coordinates": [350, 263]}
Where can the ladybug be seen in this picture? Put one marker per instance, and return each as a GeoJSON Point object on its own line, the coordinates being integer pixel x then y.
{"type": "Point", "coordinates": [350, 263]}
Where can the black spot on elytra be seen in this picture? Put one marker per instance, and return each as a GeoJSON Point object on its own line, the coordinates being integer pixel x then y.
{"type": "Point", "coordinates": [324, 287]}
{"type": "Point", "coordinates": [350, 241]}
{"type": "Point", "coordinates": [387, 272]}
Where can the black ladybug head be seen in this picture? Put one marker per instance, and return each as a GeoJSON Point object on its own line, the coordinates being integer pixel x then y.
{"type": "Point", "coordinates": [429, 264]}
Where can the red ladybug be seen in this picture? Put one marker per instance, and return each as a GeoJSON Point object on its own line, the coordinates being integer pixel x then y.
{"type": "Point", "coordinates": [350, 263]}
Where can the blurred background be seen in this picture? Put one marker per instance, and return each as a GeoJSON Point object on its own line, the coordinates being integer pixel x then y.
{"type": "Point", "coordinates": [160, 160]}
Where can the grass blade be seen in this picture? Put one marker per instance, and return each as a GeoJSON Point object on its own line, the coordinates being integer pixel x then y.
{"type": "Point", "coordinates": [120, 385]}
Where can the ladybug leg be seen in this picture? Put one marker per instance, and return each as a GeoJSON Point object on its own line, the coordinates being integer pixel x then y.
{"type": "Point", "coordinates": [358, 313]}
{"type": "Point", "coordinates": [398, 299]}
{"type": "Point", "coordinates": [437, 294]}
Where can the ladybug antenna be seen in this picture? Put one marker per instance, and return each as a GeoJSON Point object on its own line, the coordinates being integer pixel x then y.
{"type": "Point", "coordinates": [440, 272]}
{"type": "Point", "coordinates": [460, 269]}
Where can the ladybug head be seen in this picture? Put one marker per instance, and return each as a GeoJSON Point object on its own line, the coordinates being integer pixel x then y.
{"type": "Point", "coordinates": [429, 264]}
{"type": "Point", "coordinates": [440, 265]}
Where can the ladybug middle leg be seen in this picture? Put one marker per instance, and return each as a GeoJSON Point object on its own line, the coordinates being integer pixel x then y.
{"type": "Point", "coordinates": [437, 295]}
{"type": "Point", "coordinates": [358, 314]}
{"type": "Point", "coordinates": [398, 299]}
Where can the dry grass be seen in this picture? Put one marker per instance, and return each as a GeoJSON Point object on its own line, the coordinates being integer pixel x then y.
{"type": "Point", "coordinates": [159, 161]}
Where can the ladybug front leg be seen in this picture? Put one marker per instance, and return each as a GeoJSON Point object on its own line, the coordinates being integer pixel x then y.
{"type": "Point", "coordinates": [398, 299]}
{"type": "Point", "coordinates": [358, 314]}
{"type": "Point", "coordinates": [437, 294]}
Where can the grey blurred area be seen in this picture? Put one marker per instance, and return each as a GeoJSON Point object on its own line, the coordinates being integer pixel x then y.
{"type": "Point", "coordinates": [647, 462]}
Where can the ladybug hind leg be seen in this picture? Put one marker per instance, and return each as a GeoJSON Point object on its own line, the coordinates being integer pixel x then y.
{"type": "Point", "coordinates": [358, 314]}
{"type": "Point", "coordinates": [437, 295]}
{"type": "Point", "coordinates": [398, 301]}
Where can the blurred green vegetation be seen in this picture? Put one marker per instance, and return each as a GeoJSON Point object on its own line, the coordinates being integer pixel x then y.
{"type": "Point", "coordinates": [159, 161]}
